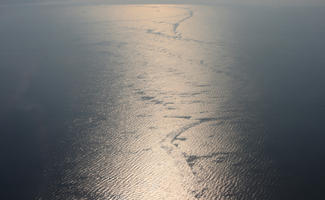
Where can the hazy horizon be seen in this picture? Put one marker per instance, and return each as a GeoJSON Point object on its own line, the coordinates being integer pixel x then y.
{"type": "Point", "coordinates": [204, 2]}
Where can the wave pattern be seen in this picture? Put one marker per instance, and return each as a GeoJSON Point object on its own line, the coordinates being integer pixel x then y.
{"type": "Point", "coordinates": [160, 117]}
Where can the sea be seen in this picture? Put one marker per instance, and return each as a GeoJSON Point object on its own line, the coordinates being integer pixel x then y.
{"type": "Point", "coordinates": [138, 101]}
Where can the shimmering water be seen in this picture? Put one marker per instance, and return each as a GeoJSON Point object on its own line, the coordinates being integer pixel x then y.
{"type": "Point", "coordinates": [161, 102]}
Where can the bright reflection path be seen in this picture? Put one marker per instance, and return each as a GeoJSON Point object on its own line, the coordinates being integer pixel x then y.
{"type": "Point", "coordinates": [159, 116]}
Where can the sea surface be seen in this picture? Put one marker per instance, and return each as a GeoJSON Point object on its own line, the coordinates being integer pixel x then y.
{"type": "Point", "coordinates": [146, 102]}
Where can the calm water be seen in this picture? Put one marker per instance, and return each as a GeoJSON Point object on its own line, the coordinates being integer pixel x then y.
{"type": "Point", "coordinates": [136, 102]}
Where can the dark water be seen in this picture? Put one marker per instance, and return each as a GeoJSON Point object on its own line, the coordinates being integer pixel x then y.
{"type": "Point", "coordinates": [161, 102]}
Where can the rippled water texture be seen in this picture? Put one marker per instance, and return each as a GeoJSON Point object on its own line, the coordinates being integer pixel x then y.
{"type": "Point", "coordinates": [163, 101]}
